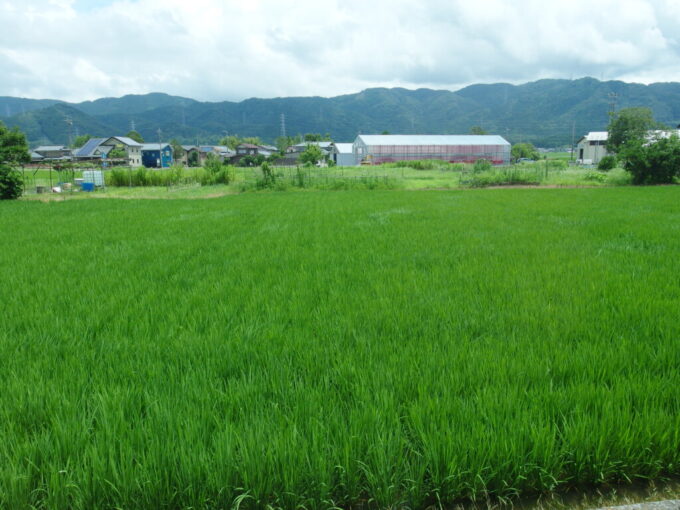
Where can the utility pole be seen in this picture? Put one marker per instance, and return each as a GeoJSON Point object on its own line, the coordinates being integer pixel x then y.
{"type": "Point", "coordinates": [160, 150]}
{"type": "Point", "coordinates": [283, 125]}
{"type": "Point", "coordinates": [573, 139]}
{"type": "Point", "coordinates": [69, 121]}
{"type": "Point", "coordinates": [132, 125]}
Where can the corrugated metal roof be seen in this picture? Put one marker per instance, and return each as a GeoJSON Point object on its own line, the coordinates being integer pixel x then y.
{"type": "Point", "coordinates": [127, 141]}
{"type": "Point", "coordinates": [153, 146]}
{"type": "Point", "coordinates": [46, 148]}
{"type": "Point", "coordinates": [86, 150]}
{"type": "Point", "coordinates": [344, 148]}
{"type": "Point", "coordinates": [433, 140]}
{"type": "Point", "coordinates": [596, 136]}
{"type": "Point", "coordinates": [322, 145]}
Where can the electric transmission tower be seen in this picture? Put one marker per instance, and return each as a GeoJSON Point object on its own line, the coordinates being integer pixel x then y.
{"type": "Point", "coordinates": [283, 125]}
{"type": "Point", "coordinates": [613, 99]}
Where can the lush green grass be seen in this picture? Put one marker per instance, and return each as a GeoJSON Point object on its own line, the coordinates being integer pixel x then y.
{"type": "Point", "coordinates": [421, 175]}
{"type": "Point", "coordinates": [337, 349]}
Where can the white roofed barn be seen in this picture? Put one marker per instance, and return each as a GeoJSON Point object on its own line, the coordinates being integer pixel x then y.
{"type": "Point", "coordinates": [376, 149]}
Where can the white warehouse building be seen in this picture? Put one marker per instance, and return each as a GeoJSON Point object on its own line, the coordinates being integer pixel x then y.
{"type": "Point", "coordinates": [377, 149]}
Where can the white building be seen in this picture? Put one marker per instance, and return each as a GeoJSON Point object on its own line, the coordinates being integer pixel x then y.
{"type": "Point", "coordinates": [591, 148]}
{"type": "Point", "coordinates": [342, 154]}
{"type": "Point", "coordinates": [377, 149]}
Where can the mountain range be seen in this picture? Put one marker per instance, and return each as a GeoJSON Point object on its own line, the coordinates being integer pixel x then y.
{"type": "Point", "coordinates": [548, 113]}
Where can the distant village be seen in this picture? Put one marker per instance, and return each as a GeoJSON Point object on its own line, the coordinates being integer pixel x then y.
{"type": "Point", "coordinates": [366, 149]}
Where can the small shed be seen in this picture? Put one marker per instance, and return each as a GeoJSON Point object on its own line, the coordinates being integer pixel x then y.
{"type": "Point", "coordinates": [343, 154]}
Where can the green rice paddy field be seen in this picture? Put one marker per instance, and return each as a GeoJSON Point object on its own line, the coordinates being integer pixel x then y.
{"type": "Point", "coordinates": [337, 349]}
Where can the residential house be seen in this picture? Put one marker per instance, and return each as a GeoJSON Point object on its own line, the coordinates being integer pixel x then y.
{"type": "Point", "coordinates": [157, 155]}
{"type": "Point", "coordinates": [327, 147]}
{"type": "Point", "coordinates": [131, 148]}
{"type": "Point", "coordinates": [53, 153]}
{"type": "Point", "coordinates": [190, 154]}
{"type": "Point", "coordinates": [93, 150]}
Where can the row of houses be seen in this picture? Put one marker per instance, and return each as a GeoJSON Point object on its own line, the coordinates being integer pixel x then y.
{"type": "Point", "coordinates": [126, 151]}
{"type": "Point", "coordinates": [366, 149]}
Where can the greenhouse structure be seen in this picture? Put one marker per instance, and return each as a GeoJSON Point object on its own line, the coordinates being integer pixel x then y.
{"type": "Point", "coordinates": [377, 149]}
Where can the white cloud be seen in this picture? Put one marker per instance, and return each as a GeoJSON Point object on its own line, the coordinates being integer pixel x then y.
{"type": "Point", "coordinates": [230, 49]}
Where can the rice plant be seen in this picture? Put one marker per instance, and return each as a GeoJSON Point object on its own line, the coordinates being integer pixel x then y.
{"type": "Point", "coordinates": [323, 350]}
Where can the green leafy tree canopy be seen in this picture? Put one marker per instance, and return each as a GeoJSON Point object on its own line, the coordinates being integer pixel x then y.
{"type": "Point", "coordinates": [135, 136]}
{"type": "Point", "coordinates": [13, 151]}
{"type": "Point", "coordinates": [80, 141]}
{"type": "Point", "coordinates": [478, 130]}
{"type": "Point", "coordinates": [13, 146]}
{"type": "Point", "coordinates": [177, 150]}
{"type": "Point", "coordinates": [627, 125]}
{"type": "Point", "coordinates": [524, 150]}
{"type": "Point", "coordinates": [655, 162]}
{"type": "Point", "coordinates": [311, 155]}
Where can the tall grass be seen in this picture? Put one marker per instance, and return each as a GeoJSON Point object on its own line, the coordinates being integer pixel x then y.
{"type": "Point", "coordinates": [324, 350]}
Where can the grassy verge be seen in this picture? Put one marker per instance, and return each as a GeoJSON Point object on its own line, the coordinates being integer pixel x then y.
{"type": "Point", "coordinates": [373, 349]}
{"type": "Point", "coordinates": [411, 176]}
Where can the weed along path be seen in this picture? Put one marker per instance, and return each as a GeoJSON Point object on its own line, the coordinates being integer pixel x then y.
{"type": "Point", "coordinates": [349, 349]}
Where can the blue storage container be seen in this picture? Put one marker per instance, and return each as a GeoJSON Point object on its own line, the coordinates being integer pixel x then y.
{"type": "Point", "coordinates": [88, 186]}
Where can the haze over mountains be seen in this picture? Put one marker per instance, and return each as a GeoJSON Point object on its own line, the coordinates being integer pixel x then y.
{"type": "Point", "coordinates": [545, 112]}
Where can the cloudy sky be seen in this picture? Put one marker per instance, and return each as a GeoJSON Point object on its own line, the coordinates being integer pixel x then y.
{"type": "Point", "coordinates": [234, 49]}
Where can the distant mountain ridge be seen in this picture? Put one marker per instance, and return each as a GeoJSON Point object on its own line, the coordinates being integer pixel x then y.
{"type": "Point", "coordinates": [546, 112]}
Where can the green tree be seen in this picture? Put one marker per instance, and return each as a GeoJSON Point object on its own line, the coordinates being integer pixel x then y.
{"type": "Point", "coordinates": [627, 125]}
{"type": "Point", "coordinates": [13, 151]}
{"type": "Point", "coordinates": [311, 155]}
{"type": "Point", "coordinates": [231, 141]}
{"type": "Point", "coordinates": [135, 136]}
{"type": "Point", "coordinates": [13, 147]}
{"type": "Point", "coordinates": [478, 130]}
{"type": "Point", "coordinates": [607, 163]}
{"type": "Point", "coordinates": [524, 150]}
{"type": "Point", "coordinates": [656, 162]}
{"type": "Point", "coordinates": [212, 164]}
{"type": "Point", "coordinates": [80, 141]}
{"type": "Point", "coordinates": [177, 150]}
{"type": "Point", "coordinates": [117, 153]}
{"type": "Point", "coordinates": [254, 140]}
{"type": "Point", "coordinates": [192, 160]}
{"type": "Point", "coordinates": [283, 142]}
{"type": "Point", "coordinates": [252, 160]}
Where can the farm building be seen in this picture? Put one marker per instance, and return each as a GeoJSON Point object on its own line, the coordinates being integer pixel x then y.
{"type": "Point", "coordinates": [343, 154]}
{"type": "Point", "coordinates": [591, 148]}
{"type": "Point", "coordinates": [376, 149]}
{"type": "Point", "coordinates": [156, 155]}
